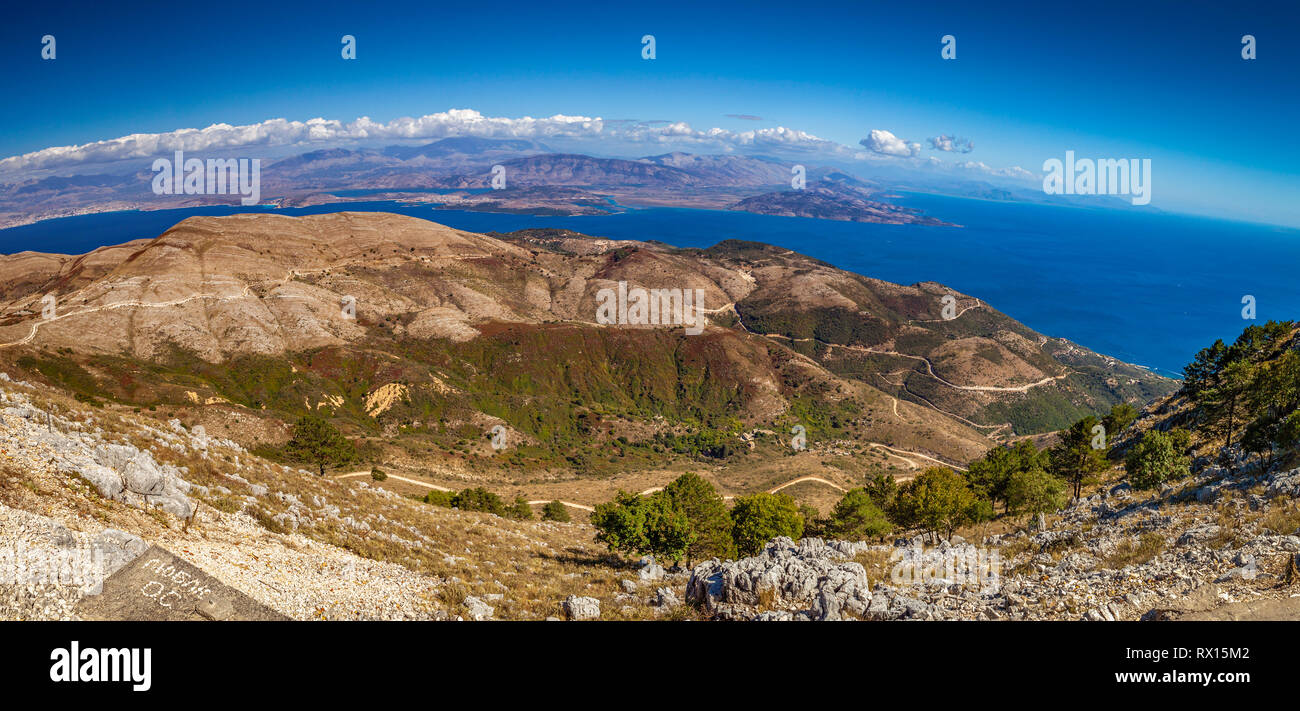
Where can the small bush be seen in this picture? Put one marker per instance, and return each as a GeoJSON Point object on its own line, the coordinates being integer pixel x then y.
{"type": "Point", "coordinates": [479, 499]}
{"type": "Point", "coordinates": [555, 511]}
{"type": "Point", "coordinates": [857, 517]}
{"type": "Point", "coordinates": [1157, 459]}
{"type": "Point", "coordinates": [377, 474]}
{"type": "Point", "coordinates": [520, 510]}
{"type": "Point", "coordinates": [439, 498]}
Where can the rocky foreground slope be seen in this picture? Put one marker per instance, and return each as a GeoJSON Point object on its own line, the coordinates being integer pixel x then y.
{"type": "Point", "coordinates": [84, 493]}
{"type": "Point", "coordinates": [1112, 556]}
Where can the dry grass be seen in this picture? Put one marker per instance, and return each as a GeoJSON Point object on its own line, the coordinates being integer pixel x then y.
{"type": "Point", "coordinates": [1131, 552]}
{"type": "Point", "coordinates": [1282, 519]}
{"type": "Point", "coordinates": [878, 565]}
{"type": "Point", "coordinates": [1231, 523]}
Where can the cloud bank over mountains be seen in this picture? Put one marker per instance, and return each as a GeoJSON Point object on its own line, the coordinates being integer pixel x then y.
{"type": "Point", "coordinates": [574, 132]}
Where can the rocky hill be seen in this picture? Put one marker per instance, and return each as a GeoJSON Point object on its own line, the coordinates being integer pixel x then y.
{"type": "Point", "coordinates": [418, 339]}
{"type": "Point", "coordinates": [452, 172]}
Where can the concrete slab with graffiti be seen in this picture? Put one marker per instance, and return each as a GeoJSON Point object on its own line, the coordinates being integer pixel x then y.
{"type": "Point", "coordinates": [162, 586]}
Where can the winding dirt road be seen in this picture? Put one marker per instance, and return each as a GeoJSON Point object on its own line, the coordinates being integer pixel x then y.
{"type": "Point", "coordinates": [120, 305]}
{"type": "Point", "coordinates": [585, 507]}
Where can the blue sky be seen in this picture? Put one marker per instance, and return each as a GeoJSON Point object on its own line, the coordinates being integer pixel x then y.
{"type": "Point", "coordinates": [1159, 80]}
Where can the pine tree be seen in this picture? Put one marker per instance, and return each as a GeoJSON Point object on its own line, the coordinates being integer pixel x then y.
{"type": "Point", "coordinates": [316, 441]}
{"type": "Point", "coordinates": [939, 500]}
{"type": "Point", "coordinates": [1033, 492]}
{"type": "Point", "coordinates": [1075, 460]}
{"type": "Point", "coordinates": [857, 517]}
{"type": "Point", "coordinates": [707, 513]}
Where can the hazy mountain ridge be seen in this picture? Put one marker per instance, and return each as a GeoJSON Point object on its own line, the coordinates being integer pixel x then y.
{"type": "Point", "coordinates": [458, 163]}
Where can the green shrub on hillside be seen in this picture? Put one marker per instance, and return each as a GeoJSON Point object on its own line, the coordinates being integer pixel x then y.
{"type": "Point", "coordinates": [990, 475]}
{"type": "Point", "coordinates": [1034, 491]}
{"type": "Point", "coordinates": [857, 518]}
{"type": "Point", "coordinates": [520, 510]}
{"type": "Point", "coordinates": [1158, 459]}
{"type": "Point", "coordinates": [479, 499]}
{"type": "Point", "coordinates": [439, 498]}
{"type": "Point", "coordinates": [634, 524]}
{"type": "Point", "coordinates": [555, 511]}
{"type": "Point", "coordinates": [758, 518]}
{"type": "Point", "coordinates": [1121, 416]}
{"type": "Point", "coordinates": [938, 501]}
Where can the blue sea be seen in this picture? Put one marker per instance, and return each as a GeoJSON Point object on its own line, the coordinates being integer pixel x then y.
{"type": "Point", "coordinates": [1145, 287]}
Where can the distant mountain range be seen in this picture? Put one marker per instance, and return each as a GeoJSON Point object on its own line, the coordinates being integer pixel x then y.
{"type": "Point", "coordinates": [452, 173]}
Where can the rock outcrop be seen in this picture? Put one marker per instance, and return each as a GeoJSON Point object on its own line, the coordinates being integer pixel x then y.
{"type": "Point", "coordinates": [809, 580]}
{"type": "Point", "coordinates": [581, 608]}
{"type": "Point", "coordinates": [121, 472]}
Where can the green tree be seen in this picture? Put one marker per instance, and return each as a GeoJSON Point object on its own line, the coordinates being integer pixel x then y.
{"type": "Point", "coordinates": [1287, 435]}
{"type": "Point", "coordinates": [1250, 386]}
{"type": "Point", "coordinates": [1075, 460]}
{"type": "Point", "coordinates": [620, 524]}
{"type": "Point", "coordinates": [1226, 402]}
{"type": "Point", "coordinates": [707, 514]}
{"type": "Point", "coordinates": [814, 525]}
{"type": "Point", "coordinates": [1200, 375]}
{"type": "Point", "coordinates": [857, 517]}
{"type": "Point", "coordinates": [990, 475]}
{"type": "Point", "coordinates": [1155, 460]}
{"type": "Point", "coordinates": [520, 510]}
{"type": "Point", "coordinates": [555, 511]}
{"type": "Point", "coordinates": [316, 441]}
{"type": "Point", "coordinates": [1034, 491]}
{"type": "Point", "coordinates": [1275, 401]}
{"type": "Point", "coordinates": [1121, 416]}
{"type": "Point", "coordinates": [979, 510]}
{"type": "Point", "coordinates": [479, 499]}
{"type": "Point", "coordinates": [758, 518]}
{"type": "Point", "coordinates": [939, 500]}
{"type": "Point", "coordinates": [883, 490]}
{"type": "Point", "coordinates": [668, 532]}
{"type": "Point", "coordinates": [634, 524]}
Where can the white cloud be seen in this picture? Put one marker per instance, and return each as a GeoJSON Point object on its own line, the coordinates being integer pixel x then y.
{"type": "Point", "coordinates": [885, 143]}
{"type": "Point", "coordinates": [1014, 171]}
{"type": "Point", "coordinates": [578, 133]}
{"type": "Point", "coordinates": [280, 132]}
{"type": "Point", "coordinates": [457, 122]}
{"type": "Point", "coordinates": [951, 144]}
